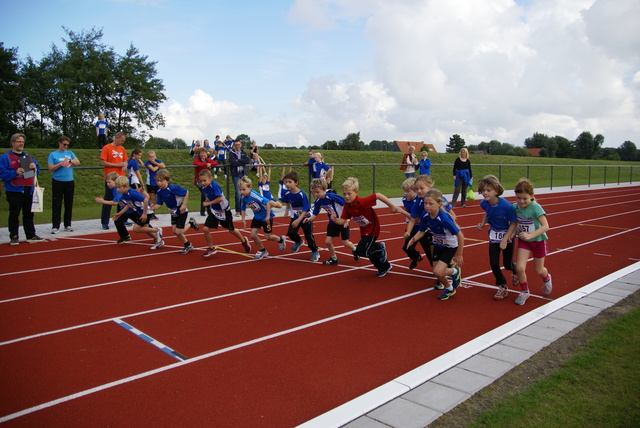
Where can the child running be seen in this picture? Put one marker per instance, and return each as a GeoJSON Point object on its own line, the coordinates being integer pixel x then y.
{"type": "Point", "coordinates": [135, 208]}
{"type": "Point", "coordinates": [299, 206]}
{"type": "Point", "coordinates": [175, 198]}
{"type": "Point", "coordinates": [363, 214]}
{"type": "Point", "coordinates": [218, 212]}
{"type": "Point", "coordinates": [532, 226]}
{"type": "Point", "coordinates": [110, 182]}
{"type": "Point", "coordinates": [499, 214]}
{"type": "Point", "coordinates": [262, 216]}
{"type": "Point", "coordinates": [448, 242]}
{"type": "Point", "coordinates": [332, 204]}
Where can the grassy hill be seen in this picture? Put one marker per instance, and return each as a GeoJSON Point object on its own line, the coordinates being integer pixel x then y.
{"type": "Point", "coordinates": [385, 176]}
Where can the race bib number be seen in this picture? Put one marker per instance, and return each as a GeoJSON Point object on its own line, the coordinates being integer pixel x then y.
{"type": "Point", "coordinates": [526, 226]}
{"type": "Point", "coordinates": [296, 213]}
{"type": "Point", "coordinates": [254, 206]}
{"type": "Point", "coordinates": [496, 236]}
{"type": "Point", "coordinates": [439, 240]}
{"type": "Point", "coordinates": [219, 214]}
{"type": "Point", "coordinates": [361, 221]}
{"type": "Point", "coordinates": [175, 212]}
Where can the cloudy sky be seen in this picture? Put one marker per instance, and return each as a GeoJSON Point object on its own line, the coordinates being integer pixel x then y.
{"type": "Point", "coordinates": [306, 71]}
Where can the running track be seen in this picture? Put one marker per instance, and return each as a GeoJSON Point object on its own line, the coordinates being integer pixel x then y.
{"type": "Point", "coordinates": [97, 334]}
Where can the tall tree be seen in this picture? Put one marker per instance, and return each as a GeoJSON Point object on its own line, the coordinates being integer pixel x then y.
{"type": "Point", "coordinates": [10, 102]}
{"type": "Point", "coordinates": [564, 147]}
{"type": "Point", "coordinates": [628, 151]}
{"type": "Point", "coordinates": [456, 143]}
{"type": "Point", "coordinates": [352, 142]}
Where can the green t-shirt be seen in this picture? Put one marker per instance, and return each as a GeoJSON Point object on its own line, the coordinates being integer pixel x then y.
{"type": "Point", "coordinates": [528, 219]}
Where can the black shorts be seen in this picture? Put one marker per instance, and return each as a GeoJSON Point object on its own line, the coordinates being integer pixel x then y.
{"type": "Point", "coordinates": [136, 186]}
{"type": "Point", "coordinates": [264, 225]}
{"type": "Point", "coordinates": [212, 221]}
{"type": "Point", "coordinates": [152, 189]}
{"type": "Point", "coordinates": [334, 230]}
{"type": "Point", "coordinates": [180, 221]}
{"type": "Point", "coordinates": [134, 217]}
{"type": "Point", "coordinates": [444, 254]}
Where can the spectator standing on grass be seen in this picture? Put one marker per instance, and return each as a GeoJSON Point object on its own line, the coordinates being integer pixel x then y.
{"type": "Point", "coordinates": [320, 169]}
{"type": "Point", "coordinates": [499, 214]}
{"type": "Point", "coordinates": [531, 226]}
{"type": "Point", "coordinates": [60, 164]}
{"type": "Point", "coordinates": [221, 150]}
{"type": "Point", "coordinates": [409, 162]}
{"type": "Point", "coordinates": [238, 161]}
{"type": "Point", "coordinates": [113, 158]}
{"type": "Point", "coordinates": [18, 171]}
{"type": "Point", "coordinates": [462, 178]}
{"type": "Point", "coordinates": [361, 210]}
{"type": "Point", "coordinates": [102, 131]}
{"type": "Point", "coordinates": [153, 165]}
{"type": "Point", "coordinates": [424, 164]}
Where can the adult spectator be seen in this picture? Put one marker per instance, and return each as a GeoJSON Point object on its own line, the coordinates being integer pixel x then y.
{"type": "Point", "coordinates": [18, 171]}
{"type": "Point", "coordinates": [238, 161]}
{"type": "Point", "coordinates": [102, 131]}
{"type": "Point", "coordinates": [425, 164]}
{"type": "Point", "coordinates": [114, 159]}
{"type": "Point", "coordinates": [462, 177]}
{"type": "Point", "coordinates": [409, 162]}
{"type": "Point", "coordinates": [60, 164]}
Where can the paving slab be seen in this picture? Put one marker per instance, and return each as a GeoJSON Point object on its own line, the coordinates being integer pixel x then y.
{"type": "Point", "coordinates": [527, 343]}
{"type": "Point", "coordinates": [507, 354]}
{"type": "Point", "coordinates": [487, 366]}
{"type": "Point", "coordinates": [463, 380]}
{"type": "Point", "coordinates": [435, 396]}
{"type": "Point", "coordinates": [572, 316]}
{"type": "Point", "coordinates": [402, 413]}
{"type": "Point", "coordinates": [598, 303]}
{"type": "Point", "coordinates": [557, 324]}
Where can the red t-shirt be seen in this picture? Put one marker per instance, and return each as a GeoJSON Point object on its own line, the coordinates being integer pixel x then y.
{"type": "Point", "coordinates": [362, 213]}
{"type": "Point", "coordinates": [113, 154]}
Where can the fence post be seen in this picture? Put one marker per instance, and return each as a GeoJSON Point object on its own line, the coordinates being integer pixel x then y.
{"type": "Point", "coordinates": [605, 175]}
{"type": "Point", "coordinates": [500, 173]}
{"type": "Point", "coordinates": [572, 176]}
{"type": "Point", "coordinates": [551, 183]}
{"type": "Point", "coordinates": [589, 179]}
{"type": "Point", "coordinates": [619, 175]}
{"type": "Point", "coordinates": [374, 178]}
{"type": "Point", "coordinates": [528, 171]}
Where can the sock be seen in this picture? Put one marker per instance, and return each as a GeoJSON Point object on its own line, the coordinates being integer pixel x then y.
{"type": "Point", "coordinates": [547, 278]}
{"type": "Point", "coordinates": [525, 286]}
{"type": "Point", "coordinates": [334, 258]}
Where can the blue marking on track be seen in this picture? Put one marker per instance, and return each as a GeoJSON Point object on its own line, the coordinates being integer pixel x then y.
{"type": "Point", "coordinates": [151, 340]}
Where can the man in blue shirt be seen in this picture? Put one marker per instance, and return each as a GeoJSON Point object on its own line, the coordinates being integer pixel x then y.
{"type": "Point", "coordinates": [60, 165]}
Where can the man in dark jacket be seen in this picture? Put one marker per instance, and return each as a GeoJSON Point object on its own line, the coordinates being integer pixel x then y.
{"type": "Point", "coordinates": [238, 161]}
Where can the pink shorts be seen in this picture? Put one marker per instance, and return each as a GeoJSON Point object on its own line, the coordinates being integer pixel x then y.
{"type": "Point", "coordinates": [538, 248]}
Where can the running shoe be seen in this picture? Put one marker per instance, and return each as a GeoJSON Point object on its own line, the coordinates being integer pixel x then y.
{"type": "Point", "coordinates": [315, 256]}
{"type": "Point", "coordinates": [123, 240]}
{"type": "Point", "coordinates": [455, 278]}
{"type": "Point", "coordinates": [501, 293]}
{"type": "Point", "coordinates": [282, 244]}
{"type": "Point", "coordinates": [55, 230]}
{"type": "Point", "coordinates": [330, 262]}
{"type": "Point", "coordinates": [446, 294]}
{"type": "Point", "coordinates": [515, 279]}
{"type": "Point", "coordinates": [522, 297]}
{"type": "Point", "coordinates": [128, 223]}
{"type": "Point", "coordinates": [158, 245]}
{"type": "Point", "coordinates": [356, 257]}
{"type": "Point", "coordinates": [261, 254]}
{"type": "Point", "coordinates": [210, 252]}
{"type": "Point", "coordinates": [547, 286]}
{"type": "Point", "coordinates": [414, 263]}
{"type": "Point", "coordinates": [296, 246]}
{"type": "Point", "coordinates": [438, 285]}
{"type": "Point", "coordinates": [382, 273]}
{"type": "Point", "coordinates": [246, 245]}
{"type": "Point", "coordinates": [68, 229]}
{"type": "Point", "coordinates": [194, 224]}
{"type": "Point", "coordinates": [34, 239]}
{"type": "Point", "coordinates": [15, 241]}
{"type": "Point", "coordinates": [105, 227]}
{"type": "Point", "coordinates": [187, 247]}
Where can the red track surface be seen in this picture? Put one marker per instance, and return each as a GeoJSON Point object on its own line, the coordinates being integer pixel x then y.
{"type": "Point", "coordinates": [273, 342]}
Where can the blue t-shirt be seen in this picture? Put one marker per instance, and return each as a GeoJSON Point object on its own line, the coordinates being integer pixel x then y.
{"type": "Point", "coordinates": [418, 209]}
{"type": "Point", "coordinates": [213, 192]}
{"type": "Point", "coordinates": [265, 189]}
{"type": "Point", "coordinates": [222, 152]}
{"type": "Point", "coordinates": [151, 175]}
{"type": "Point", "coordinates": [132, 167]}
{"type": "Point", "coordinates": [499, 216]}
{"type": "Point", "coordinates": [298, 202]}
{"type": "Point", "coordinates": [319, 170]}
{"type": "Point", "coordinates": [63, 173]}
{"type": "Point", "coordinates": [172, 197]}
{"type": "Point", "coordinates": [258, 204]}
{"type": "Point", "coordinates": [134, 200]}
{"type": "Point", "coordinates": [443, 229]}
{"type": "Point", "coordinates": [331, 203]}
{"type": "Point", "coordinates": [425, 166]}
{"type": "Point", "coordinates": [410, 207]}
{"type": "Point", "coordinates": [102, 126]}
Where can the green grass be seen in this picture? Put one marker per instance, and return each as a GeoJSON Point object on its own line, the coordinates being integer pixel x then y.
{"type": "Point", "coordinates": [597, 387]}
{"type": "Point", "coordinates": [385, 177]}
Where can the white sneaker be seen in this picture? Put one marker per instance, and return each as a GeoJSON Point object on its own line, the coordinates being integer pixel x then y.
{"type": "Point", "coordinates": [283, 243]}
{"type": "Point", "coordinates": [68, 229]}
{"type": "Point", "coordinates": [55, 230]}
{"type": "Point", "coordinates": [261, 254]}
{"type": "Point", "coordinates": [158, 245]}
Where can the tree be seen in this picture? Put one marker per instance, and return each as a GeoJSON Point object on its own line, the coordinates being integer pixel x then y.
{"type": "Point", "coordinates": [628, 151]}
{"type": "Point", "coordinates": [158, 143]}
{"type": "Point", "coordinates": [179, 143]}
{"type": "Point", "coordinates": [10, 102]}
{"type": "Point", "coordinates": [245, 139]}
{"type": "Point", "coordinates": [330, 145]}
{"type": "Point", "coordinates": [537, 141]}
{"type": "Point", "coordinates": [564, 147]}
{"type": "Point", "coordinates": [456, 143]}
{"type": "Point", "coordinates": [352, 142]}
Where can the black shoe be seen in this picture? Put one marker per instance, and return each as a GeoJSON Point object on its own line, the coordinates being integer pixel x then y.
{"type": "Point", "coordinates": [356, 257]}
{"type": "Point", "coordinates": [414, 263]}
{"type": "Point", "coordinates": [330, 262]}
{"type": "Point", "coordinates": [34, 239]}
{"type": "Point", "coordinates": [123, 240]}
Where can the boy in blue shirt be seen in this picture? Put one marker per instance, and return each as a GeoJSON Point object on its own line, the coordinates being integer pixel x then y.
{"type": "Point", "coordinates": [218, 213]}
{"type": "Point", "coordinates": [332, 204]}
{"type": "Point", "coordinates": [110, 182]}
{"type": "Point", "coordinates": [176, 198]}
{"type": "Point", "coordinates": [299, 206]}
{"type": "Point", "coordinates": [262, 216]}
{"type": "Point", "coordinates": [135, 206]}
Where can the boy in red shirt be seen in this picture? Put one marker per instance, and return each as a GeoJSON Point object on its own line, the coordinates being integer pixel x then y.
{"type": "Point", "coordinates": [362, 212]}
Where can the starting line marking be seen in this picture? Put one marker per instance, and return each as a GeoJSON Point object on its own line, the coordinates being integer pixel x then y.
{"type": "Point", "coordinates": [164, 348]}
{"type": "Point", "coordinates": [606, 227]}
